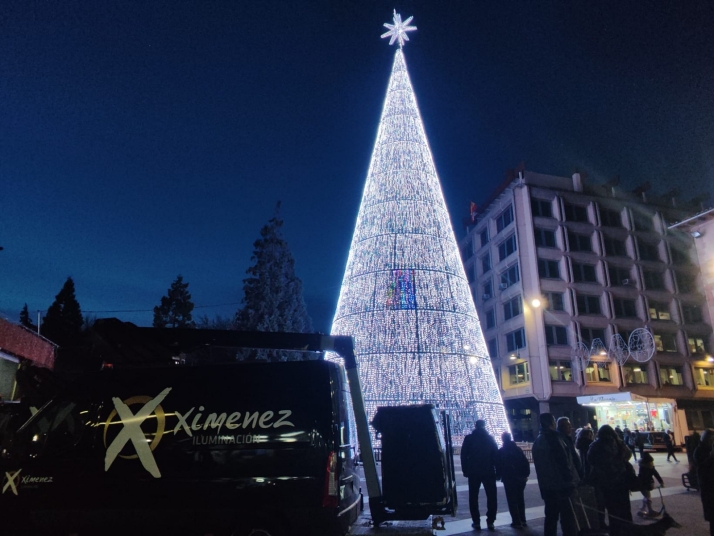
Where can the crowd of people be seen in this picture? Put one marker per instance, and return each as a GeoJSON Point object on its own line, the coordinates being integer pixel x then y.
{"type": "Point", "coordinates": [567, 467]}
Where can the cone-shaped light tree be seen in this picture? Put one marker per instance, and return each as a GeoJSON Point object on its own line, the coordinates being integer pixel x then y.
{"type": "Point", "coordinates": [405, 298]}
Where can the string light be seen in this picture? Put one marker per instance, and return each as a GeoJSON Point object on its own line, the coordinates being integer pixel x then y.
{"type": "Point", "coordinates": [405, 298]}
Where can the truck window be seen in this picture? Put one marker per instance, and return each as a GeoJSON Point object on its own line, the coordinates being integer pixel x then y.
{"type": "Point", "coordinates": [56, 428]}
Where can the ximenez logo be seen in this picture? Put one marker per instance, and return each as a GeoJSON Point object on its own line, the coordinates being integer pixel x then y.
{"type": "Point", "coordinates": [189, 422]}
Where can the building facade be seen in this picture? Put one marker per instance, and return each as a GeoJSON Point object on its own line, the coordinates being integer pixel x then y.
{"type": "Point", "coordinates": [553, 262]}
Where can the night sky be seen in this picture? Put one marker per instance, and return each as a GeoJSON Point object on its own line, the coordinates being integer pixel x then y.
{"type": "Point", "coordinates": [142, 140]}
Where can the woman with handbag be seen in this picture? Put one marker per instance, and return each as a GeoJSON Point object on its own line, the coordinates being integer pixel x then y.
{"type": "Point", "coordinates": [609, 457]}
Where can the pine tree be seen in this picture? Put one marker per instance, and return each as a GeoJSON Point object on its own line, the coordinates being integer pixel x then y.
{"type": "Point", "coordinates": [25, 319]}
{"type": "Point", "coordinates": [405, 297]}
{"type": "Point", "coordinates": [176, 306]}
{"type": "Point", "coordinates": [273, 299]}
{"type": "Point", "coordinates": [63, 322]}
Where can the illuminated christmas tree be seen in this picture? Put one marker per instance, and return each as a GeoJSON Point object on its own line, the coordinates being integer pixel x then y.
{"type": "Point", "coordinates": [405, 298]}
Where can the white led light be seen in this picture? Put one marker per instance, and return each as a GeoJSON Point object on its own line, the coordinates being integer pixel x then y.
{"type": "Point", "coordinates": [405, 298]}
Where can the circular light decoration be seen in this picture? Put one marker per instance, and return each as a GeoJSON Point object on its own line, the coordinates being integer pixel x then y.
{"type": "Point", "coordinates": [597, 348]}
{"type": "Point", "coordinates": [618, 350]}
{"type": "Point", "coordinates": [580, 356]}
{"type": "Point", "coordinates": [642, 345]}
{"type": "Point", "coordinates": [405, 297]}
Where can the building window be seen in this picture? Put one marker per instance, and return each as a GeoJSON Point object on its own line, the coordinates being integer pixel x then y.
{"type": "Point", "coordinates": [610, 218]}
{"type": "Point", "coordinates": [588, 305]}
{"type": "Point", "coordinates": [625, 334]}
{"type": "Point", "coordinates": [635, 374]}
{"type": "Point", "coordinates": [470, 276]}
{"type": "Point", "coordinates": [615, 247]}
{"type": "Point", "coordinates": [619, 276]}
{"type": "Point", "coordinates": [486, 263]}
{"type": "Point", "coordinates": [584, 273]}
{"type": "Point", "coordinates": [493, 347]}
{"type": "Point", "coordinates": [504, 219]}
{"type": "Point", "coordinates": [515, 340]}
{"type": "Point", "coordinates": [490, 319]}
{"type": "Point", "coordinates": [548, 269]}
{"type": "Point", "coordinates": [510, 277]}
{"type": "Point", "coordinates": [653, 280]}
{"type": "Point", "coordinates": [597, 372]}
{"type": "Point", "coordinates": [519, 373]}
{"type": "Point", "coordinates": [704, 377]}
{"type": "Point", "coordinates": [659, 310]}
{"type": "Point", "coordinates": [643, 222]}
{"type": "Point", "coordinates": [487, 288]}
{"type": "Point", "coordinates": [560, 371]}
{"type": "Point", "coordinates": [556, 335]}
{"type": "Point", "coordinates": [554, 301]}
{"type": "Point", "coordinates": [648, 251]}
{"type": "Point", "coordinates": [679, 256]}
{"type": "Point", "coordinates": [685, 282]}
{"type": "Point", "coordinates": [696, 345]}
{"type": "Point", "coordinates": [507, 247]}
{"type": "Point", "coordinates": [576, 213]}
{"type": "Point", "coordinates": [544, 238]}
{"type": "Point", "coordinates": [669, 375]}
{"type": "Point", "coordinates": [542, 208]}
{"type": "Point", "coordinates": [512, 308]}
{"type": "Point", "coordinates": [624, 308]}
{"type": "Point", "coordinates": [484, 237]}
{"type": "Point", "coordinates": [467, 251]}
{"type": "Point", "coordinates": [692, 314]}
{"type": "Point", "coordinates": [588, 335]}
{"type": "Point", "coordinates": [665, 342]}
{"type": "Point", "coordinates": [579, 242]}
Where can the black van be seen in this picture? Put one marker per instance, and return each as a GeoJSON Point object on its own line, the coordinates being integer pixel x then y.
{"type": "Point", "coordinates": [248, 448]}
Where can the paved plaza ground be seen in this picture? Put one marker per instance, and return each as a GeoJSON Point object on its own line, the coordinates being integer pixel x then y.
{"type": "Point", "coordinates": [685, 506]}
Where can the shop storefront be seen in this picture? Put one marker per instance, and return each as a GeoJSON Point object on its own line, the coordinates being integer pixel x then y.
{"type": "Point", "coordinates": [633, 411]}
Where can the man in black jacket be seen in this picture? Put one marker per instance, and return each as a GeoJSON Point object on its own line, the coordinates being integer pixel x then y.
{"type": "Point", "coordinates": [478, 462]}
{"type": "Point", "coordinates": [557, 477]}
{"type": "Point", "coordinates": [514, 469]}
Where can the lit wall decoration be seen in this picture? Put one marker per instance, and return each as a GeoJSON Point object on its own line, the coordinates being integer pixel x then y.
{"type": "Point", "coordinates": [405, 297]}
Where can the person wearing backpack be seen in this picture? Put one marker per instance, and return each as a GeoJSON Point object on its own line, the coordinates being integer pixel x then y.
{"type": "Point", "coordinates": [514, 469]}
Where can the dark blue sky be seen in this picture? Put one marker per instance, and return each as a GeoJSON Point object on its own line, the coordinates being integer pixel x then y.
{"type": "Point", "coordinates": [140, 140]}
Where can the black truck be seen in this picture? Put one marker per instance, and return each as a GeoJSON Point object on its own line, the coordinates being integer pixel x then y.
{"type": "Point", "coordinates": [250, 448]}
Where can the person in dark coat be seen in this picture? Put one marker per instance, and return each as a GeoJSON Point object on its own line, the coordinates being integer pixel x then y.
{"type": "Point", "coordinates": [478, 463]}
{"type": "Point", "coordinates": [514, 469]}
{"type": "Point", "coordinates": [582, 443]}
{"type": "Point", "coordinates": [646, 478]}
{"type": "Point", "coordinates": [629, 439]}
{"type": "Point", "coordinates": [706, 489]}
{"type": "Point", "coordinates": [640, 442]}
{"type": "Point", "coordinates": [701, 454]}
{"type": "Point", "coordinates": [620, 433]}
{"type": "Point", "coordinates": [565, 429]}
{"type": "Point", "coordinates": [557, 477]}
{"type": "Point", "coordinates": [669, 444]}
{"type": "Point", "coordinates": [607, 457]}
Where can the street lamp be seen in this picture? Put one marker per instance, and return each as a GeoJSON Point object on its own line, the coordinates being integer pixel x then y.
{"type": "Point", "coordinates": [535, 302]}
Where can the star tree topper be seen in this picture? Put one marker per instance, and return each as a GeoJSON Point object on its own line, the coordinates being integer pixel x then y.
{"type": "Point", "coordinates": [398, 30]}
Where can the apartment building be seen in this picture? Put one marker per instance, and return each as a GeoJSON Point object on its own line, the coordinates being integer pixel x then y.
{"type": "Point", "coordinates": [555, 261]}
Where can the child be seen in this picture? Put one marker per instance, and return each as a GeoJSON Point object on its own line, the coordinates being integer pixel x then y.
{"type": "Point", "coordinates": [646, 477]}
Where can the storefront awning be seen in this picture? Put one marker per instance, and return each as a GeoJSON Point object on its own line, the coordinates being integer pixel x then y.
{"type": "Point", "coordinates": [596, 400]}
